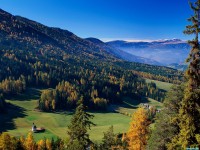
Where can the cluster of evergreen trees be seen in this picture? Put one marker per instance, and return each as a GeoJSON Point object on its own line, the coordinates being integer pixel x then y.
{"type": "Point", "coordinates": [97, 95]}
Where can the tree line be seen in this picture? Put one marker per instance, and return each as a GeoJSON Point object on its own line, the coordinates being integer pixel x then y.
{"type": "Point", "coordinates": [11, 86]}
{"type": "Point", "coordinates": [97, 95]}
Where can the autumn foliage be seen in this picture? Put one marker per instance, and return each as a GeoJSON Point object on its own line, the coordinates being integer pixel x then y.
{"type": "Point", "coordinates": [8, 142]}
{"type": "Point", "coordinates": [139, 128]}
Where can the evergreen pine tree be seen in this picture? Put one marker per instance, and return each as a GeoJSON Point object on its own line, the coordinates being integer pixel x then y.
{"type": "Point", "coordinates": [77, 130]}
{"type": "Point", "coordinates": [109, 139]}
{"type": "Point", "coordinates": [189, 113]}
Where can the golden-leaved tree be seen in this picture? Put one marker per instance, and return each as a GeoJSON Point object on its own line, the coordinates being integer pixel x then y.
{"type": "Point", "coordinates": [30, 142]}
{"type": "Point", "coordinates": [7, 142]}
{"type": "Point", "coordinates": [44, 144]}
{"type": "Point", "coordinates": [139, 129]}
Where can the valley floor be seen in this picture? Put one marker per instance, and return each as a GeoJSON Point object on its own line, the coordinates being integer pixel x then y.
{"type": "Point", "coordinates": [21, 114]}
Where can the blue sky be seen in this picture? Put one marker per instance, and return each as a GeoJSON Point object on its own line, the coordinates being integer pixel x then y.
{"type": "Point", "coordinates": [108, 19]}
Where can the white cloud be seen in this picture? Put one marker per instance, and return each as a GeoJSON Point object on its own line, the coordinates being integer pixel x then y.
{"type": "Point", "coordinates": [126, 39]}
{"type": "Point", "coordinates": [134, 40]}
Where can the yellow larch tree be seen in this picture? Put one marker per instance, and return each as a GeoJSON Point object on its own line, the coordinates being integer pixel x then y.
{"type": "Point", "coordinates": [44, 144]}
{"type": "Point", "coordinates": [41, 144]}
{"type": "Point", "coordinates": [6, 142]}
{"type": "Point", "coordinates": [139, 129]}
{"type": "Point", "coordinates": [29, 142]}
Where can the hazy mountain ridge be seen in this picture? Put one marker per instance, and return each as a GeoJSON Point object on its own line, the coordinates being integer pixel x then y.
{"type": "Point", "coordinates": [163, 51]}
{"type": "Point", "coordinates": [122, 54]}
{"type": "Point", "coordinates": [181, 67]}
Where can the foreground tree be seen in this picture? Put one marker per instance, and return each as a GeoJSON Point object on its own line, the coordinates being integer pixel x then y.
{"type": "Point", "coordinates": [166, 121]}
{"type": "Point", "coordinates": [189, 113]}
{"type": "Point", "coordinates": [77, 130]}
{"type": "Point", "coordinates": [112, 141]}
{"type": "Point", "coordinates": [109, 139]}
{"type": "Point", "coordinates": [7, 142]}
{"type": "Point", "coordinates": [139, 129]}
{"type": "Point", "coordinates": [30, 143]}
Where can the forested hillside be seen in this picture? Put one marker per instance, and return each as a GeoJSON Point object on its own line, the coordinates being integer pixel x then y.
{"type": "Point", "coordinates": [160, 73]}
{"type": "Point", "coordinates": [36, 55]}
{"type": "Point", "coordinates": [75, 88]}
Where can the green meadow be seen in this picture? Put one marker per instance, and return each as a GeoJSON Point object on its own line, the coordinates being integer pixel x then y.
{"type": "Point", "coordinates": [161, 85]}
{"type": "Point", "coordinates": [22, 113]}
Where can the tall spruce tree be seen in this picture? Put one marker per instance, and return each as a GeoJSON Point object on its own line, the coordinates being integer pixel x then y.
{"type": "Point", "coordinates": [77, 130]}
{"type": "Point", "coordinates": [189, 113]}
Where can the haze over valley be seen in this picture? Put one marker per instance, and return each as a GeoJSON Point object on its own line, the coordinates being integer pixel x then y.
{"type": "Point", "coordinates": [63, 86]}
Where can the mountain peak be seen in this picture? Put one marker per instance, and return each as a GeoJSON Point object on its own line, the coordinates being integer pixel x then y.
{"type": "Point", "coordinates": [169, 41]}
{"type": "Point", "coordinates": [94, 40]}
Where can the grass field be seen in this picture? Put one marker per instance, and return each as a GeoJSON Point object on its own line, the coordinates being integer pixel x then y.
{"type": "Point", "coordinates": [129, 106]}
{"type": "Point", "coordinates": [21, 114]}
{"type": "Point", "coordinates": [161, 85]}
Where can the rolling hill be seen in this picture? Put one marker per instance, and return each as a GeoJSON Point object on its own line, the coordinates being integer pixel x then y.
{"type": "Point", "coordinates": [22, 33]}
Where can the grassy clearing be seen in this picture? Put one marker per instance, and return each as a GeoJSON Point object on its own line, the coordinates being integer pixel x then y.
{"type": "Point", "coordinates": [161, 85]}
{"type": "Point", "coordinates": [21, 115]}
{"type": "Point", "coordinates": [129, 105]}
{"type": "Point", "coordinates": [135, 104]}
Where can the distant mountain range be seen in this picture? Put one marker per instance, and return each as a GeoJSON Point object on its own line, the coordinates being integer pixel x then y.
{"type": "Point", "coordinates": [181, 67]}
{"type": "Point", "coordinates": [165, 52]}
{"type": "Point", "coordinates": [122, 54]}
{"type": "Point", "coordinates": [20, 33]}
